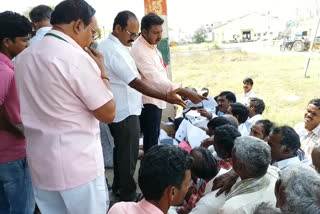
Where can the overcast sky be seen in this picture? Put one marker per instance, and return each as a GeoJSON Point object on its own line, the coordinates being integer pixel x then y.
{"type": "Point", "coordinates": [185, 14]}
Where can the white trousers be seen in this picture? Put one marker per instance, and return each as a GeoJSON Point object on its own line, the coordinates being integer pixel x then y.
{"type": "Point", "coordinates": [90, 198]}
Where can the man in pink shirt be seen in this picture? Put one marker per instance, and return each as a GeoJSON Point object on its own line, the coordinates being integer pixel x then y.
{"type": "Point", "coordinates": [15, 183]}
{"type": "Point", "coordinates": [164, 176]}
{"type": "Point", "coordinates": [64, 93]}
{"type": "Point", "coordinates": [152, 69]}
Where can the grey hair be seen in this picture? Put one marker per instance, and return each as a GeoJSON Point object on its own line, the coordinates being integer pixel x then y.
{"type": "Point", "coordinates": [254, 154]}
{"type": "Point", "coordinates": [302, 189]}
{"type": "Point", "coordinates": [266, 208]}
{"type": "Point", "coordinates": [232, 120]}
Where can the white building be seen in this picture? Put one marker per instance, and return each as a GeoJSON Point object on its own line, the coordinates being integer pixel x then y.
{"type": "Point", "coordinates": [250, 27]}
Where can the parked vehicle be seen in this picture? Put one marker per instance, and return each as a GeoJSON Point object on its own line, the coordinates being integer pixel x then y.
{"type": "Point", "coordinates": [297, 44]}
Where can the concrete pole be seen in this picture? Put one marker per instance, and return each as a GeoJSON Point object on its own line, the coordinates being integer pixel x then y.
{"type": "Point", "coordinates": [313, 37]}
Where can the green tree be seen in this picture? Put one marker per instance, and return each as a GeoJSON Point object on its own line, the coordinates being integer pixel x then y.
{"type": "Point", "coordinates": [200, 35]}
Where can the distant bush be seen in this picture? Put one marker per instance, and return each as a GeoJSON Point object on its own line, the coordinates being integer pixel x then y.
{"type": "Point", "coordinates": [200, 35]}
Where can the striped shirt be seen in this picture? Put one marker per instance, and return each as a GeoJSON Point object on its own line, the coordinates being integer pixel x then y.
{"type": "Point", "coordinates": [225, 164]}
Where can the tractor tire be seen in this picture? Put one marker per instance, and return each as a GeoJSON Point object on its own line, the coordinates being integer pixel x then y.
{"type": "Point", "coordinates": [298, 46]}
{"type": "Point", "coordinates": [282, 48]}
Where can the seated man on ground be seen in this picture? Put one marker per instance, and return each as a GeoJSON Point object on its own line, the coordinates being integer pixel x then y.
{"type": "Point", "coordinates": [284, 143]}
{"type": "Point", "coordinates": [256, 108]}
{"type": "Point", "coordinates": [297, 190]}
{"type": "Point", "coordinates": [224, 99]}
{"type": "Point", "coordinates": [251, 159]}
{"type": "Point", "coordinates": [164, 177]}
{"type": "Point", "coordinates": [261, 129]}
{"type": "Point", "coordinates": [234, 122]}
{"type": "Point", "coordinates": [309, 130]}
{"type": "Point", "coordinates": [212, 125]}
{"type": "Point", "coordinates": [223, 143]}
{"type": "Point", "coordinates": [241, 112]}
{"type": "Point", "coordinates": [204, 168]}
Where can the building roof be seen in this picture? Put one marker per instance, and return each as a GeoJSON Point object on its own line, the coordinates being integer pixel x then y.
{"type": "Point", "coordinates": [241, 17]}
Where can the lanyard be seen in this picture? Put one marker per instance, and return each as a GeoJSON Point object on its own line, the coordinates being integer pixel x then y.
{"type": "Point", "coordinates": [55, 35]}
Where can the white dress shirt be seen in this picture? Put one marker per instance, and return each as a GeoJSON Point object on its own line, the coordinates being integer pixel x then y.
{"type": "Point", "coordinates": [39, 34]}
{"type": "Point", "coordinates": [254, 119]}
{"type": "Point", "coordinates": [244, 128]}
{"type": "Point", "coordinates": [286, 162]}
{"type": "Point", "coordinates": [246, 96]}
{"type": "Point", "coordinates": [209, 204]}
{"type": "Point", "coordinates": [121, 70]}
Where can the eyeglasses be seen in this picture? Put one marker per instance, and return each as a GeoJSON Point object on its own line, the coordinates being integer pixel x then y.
{"type": "Point", "coordinates": [132, 35]}
{"type": "Point", "coordinates": [96, 33]}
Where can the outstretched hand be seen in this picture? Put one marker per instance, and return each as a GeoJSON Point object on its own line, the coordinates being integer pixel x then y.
{"type": "Point", "coordinates": [173, 98]}
{"type": "Point", "coordinates": [193, 96]}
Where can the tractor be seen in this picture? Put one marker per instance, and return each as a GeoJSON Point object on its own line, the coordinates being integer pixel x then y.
{"type": "Point", "coordinates": [298, 44]}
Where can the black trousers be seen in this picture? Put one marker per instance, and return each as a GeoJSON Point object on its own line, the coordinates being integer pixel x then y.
{"type": "Point", "coordinates": [150, 120]}
{"type": "Point", "coordinates": [126, 135]}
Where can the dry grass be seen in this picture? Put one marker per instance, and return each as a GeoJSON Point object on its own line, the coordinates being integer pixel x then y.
{"type": "Point", "coordinates": [275, 78]}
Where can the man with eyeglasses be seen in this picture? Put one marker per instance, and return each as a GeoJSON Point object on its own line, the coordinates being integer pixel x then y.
{"type": "Point", "coordinates": [127, 85]}
{"type": "Point", "coordinates": [64, 93]}
{"type": "Point", "coordinates": [15, 183]}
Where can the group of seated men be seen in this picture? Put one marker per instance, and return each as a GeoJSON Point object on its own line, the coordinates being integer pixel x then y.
{"type": "Point", "coordinates": [246, 165]}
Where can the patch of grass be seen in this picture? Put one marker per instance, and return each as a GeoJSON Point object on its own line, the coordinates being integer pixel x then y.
{"type": "Point", "coordinates": [275, 78]}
